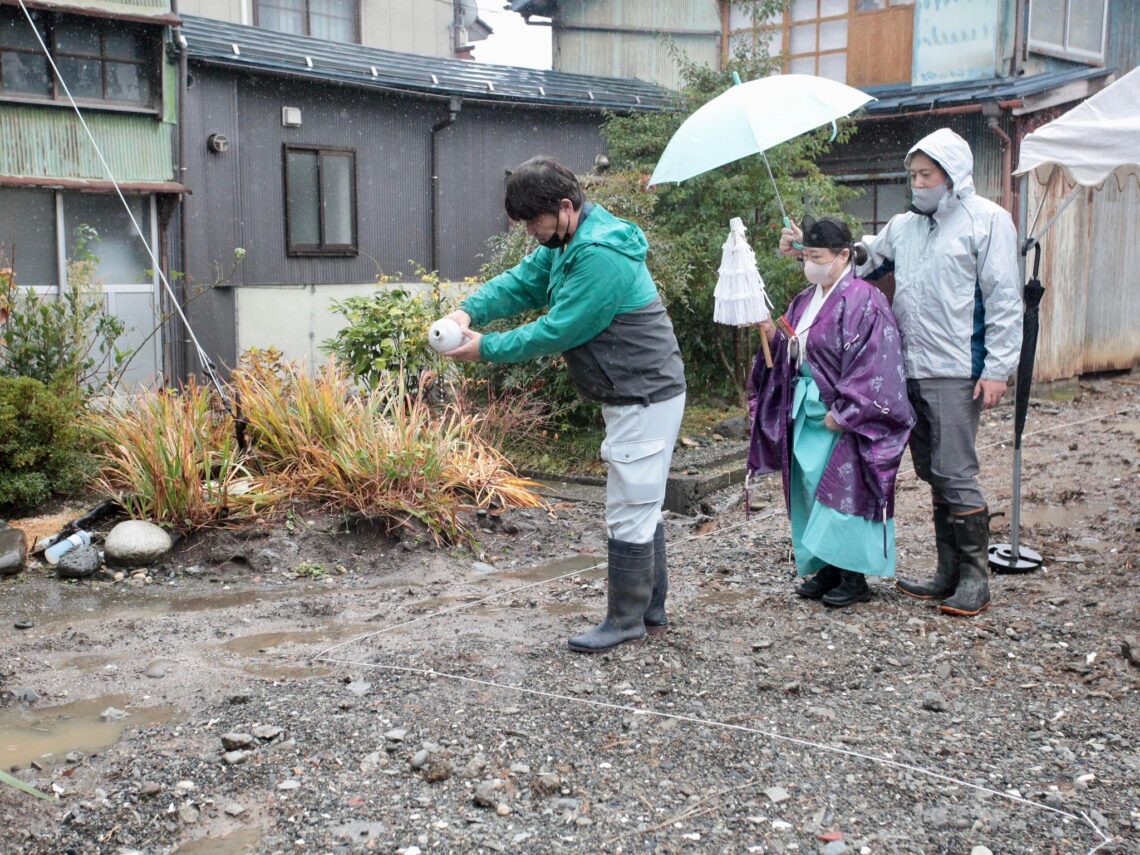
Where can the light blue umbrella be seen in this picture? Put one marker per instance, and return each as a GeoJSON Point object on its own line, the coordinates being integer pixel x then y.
{"type": "Point", "coordinates": [751, 118]}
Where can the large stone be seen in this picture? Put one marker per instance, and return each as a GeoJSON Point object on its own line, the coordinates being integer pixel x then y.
{"type": "Point", "coordinates": [13, 550]}
{"type": "Point", "coordinates": [79, 563]}
{"type": "Point", "coordinates": [734, 427]}
{"type": "Point", "coordinates": [136, 543]}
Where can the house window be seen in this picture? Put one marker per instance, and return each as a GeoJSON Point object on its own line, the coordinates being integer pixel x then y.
{"type": "Point", "coordinates": [34, 223]}
{"type": "Point", "coordinates": [860, 42]}
{"type": "Point", "coordinates": [320, 200]}
{"type": "Point", "coordinates": [334, 20]}
{"type": "Point", "coordinates": [100, 60]}
{"type": "Point", "coordinates": [816, 38]}
{"type": "Point", "coordinates": [28, 235]}
{"type": "Point", "coordinates": [879, 200]}
{"type": "Point", "coordinates": [1073, 29]}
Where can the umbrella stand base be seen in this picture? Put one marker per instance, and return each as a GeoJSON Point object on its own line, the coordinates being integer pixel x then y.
{"type": "Point", "coordinates": [1002, 559]}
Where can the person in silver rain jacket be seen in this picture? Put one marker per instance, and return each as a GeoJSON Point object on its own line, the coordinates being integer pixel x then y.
{"type": "Point", "coordinates": [958, 305]}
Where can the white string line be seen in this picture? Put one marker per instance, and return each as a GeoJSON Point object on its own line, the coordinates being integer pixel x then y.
{"type": "Point", "coordinates": [804, 743]}
{"type": "Point", "coordinates": [323, 657]}
{"type": "Point", "coordinates": [202, 357]}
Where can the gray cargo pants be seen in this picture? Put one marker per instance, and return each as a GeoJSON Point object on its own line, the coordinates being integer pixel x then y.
{"type": "Point", "coordinates": [942, 442]}
{"type": "Point", "coordinates": [637, 450]}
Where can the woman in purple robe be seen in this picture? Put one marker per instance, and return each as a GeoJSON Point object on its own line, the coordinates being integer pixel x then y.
{"type": "Point", "coordinates": [833, 418]}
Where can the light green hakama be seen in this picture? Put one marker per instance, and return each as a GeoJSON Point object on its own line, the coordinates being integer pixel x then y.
{"type": "Point", "coordinates": [822, 535]}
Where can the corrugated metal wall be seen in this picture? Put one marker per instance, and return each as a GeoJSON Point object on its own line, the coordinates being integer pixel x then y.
{"type": "Point", "coordinates": [879, 146]}
{"type": "Point", "coordinates": [475, 154]}
{"type": "Point", "coordinates": [1090, 312]}
{"type": "Point", "coordinates": [238, 195]}
{"type": "Point", "coordinates": [213, 216]}
{"type": "Point", "coordinates": [1123, 35]}
{"type": "Point", "coordinates": [642, 48]}
{"type": "Point", "coordinates": [50, 142]}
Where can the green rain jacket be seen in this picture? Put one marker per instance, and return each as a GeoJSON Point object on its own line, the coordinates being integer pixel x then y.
{"type": "Point", "coordinates": [604, 313]}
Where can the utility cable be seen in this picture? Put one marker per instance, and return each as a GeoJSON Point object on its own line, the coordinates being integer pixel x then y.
{"type": "Point", "coordinates": [205, 361]}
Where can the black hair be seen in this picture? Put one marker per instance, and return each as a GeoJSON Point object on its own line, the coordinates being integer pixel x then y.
{"type": "Point", "coordinates": [537, 186]}
{"type": "Point", "coordinates": [834, 234]}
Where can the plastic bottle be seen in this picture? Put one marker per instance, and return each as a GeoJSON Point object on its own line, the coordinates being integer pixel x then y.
{"type": "Point", "coordinates": [61, 547]}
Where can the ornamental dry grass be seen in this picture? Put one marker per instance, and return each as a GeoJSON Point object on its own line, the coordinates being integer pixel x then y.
{"type": "Point", "coordinates": [173, 458]}
{"type": "Point", "coordinates": [381, 454]}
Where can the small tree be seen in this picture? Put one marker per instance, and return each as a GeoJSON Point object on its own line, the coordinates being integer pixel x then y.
{"type": "Point", "coordinates": [694, 215]}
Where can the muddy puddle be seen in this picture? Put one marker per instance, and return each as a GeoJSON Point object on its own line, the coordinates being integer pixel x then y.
{"type": "Point", "coordinates": [725, 598]}
{"type": "Point", "coordinates": [239, 842]}
{"type": "Point", "coordinates": [1061, 516]}
{"type": "Point", "coordinates": [48, 735]}
{"type": "Point", "coordinates": [49, 606]}
{"type": "Point", "coordinates": [588, 566]}
{"type": "Point", "coordinates": [282, 665]}
{"type": "Point", "coordinates": [1128, 427]}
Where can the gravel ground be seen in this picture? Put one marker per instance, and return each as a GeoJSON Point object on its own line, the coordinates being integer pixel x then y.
{"type": "Point", "coordinates": [304, 689]}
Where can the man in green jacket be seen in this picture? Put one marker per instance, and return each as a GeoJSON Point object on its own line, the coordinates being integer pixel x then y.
{"type": "Point", "coordinates": [605, 317]}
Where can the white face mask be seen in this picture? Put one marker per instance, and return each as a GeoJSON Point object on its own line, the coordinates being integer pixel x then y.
{"type": "Point", "coordinates": [823, 272]}
{"type": "Point", "coordinates": [926, 199]}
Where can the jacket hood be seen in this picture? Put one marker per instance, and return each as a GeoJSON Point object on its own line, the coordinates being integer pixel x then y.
{"type": "Point", "coordinates": [604, 229]}
{"type": "Point", "coordinates": [952, 153]}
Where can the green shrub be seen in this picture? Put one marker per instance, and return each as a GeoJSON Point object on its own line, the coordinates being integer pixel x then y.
{"type": "Point", "coordinates": [41, 450]}
{"type": "Point", "coordinates": [386, 335]}
{"type": "Point", "coordinates": [67, 341]}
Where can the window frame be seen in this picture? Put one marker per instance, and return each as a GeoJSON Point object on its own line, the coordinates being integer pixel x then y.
{"type": "Point", "coordinates": [151, 64]}
{"type": "Point", "coordinates": [321, 249]}
{"type": "Point", "coordinates": [1064, 51]}
{"type": "Point", "coordinates": [817, 21]}
{"type": "Point", "coordinates": [356, 23]}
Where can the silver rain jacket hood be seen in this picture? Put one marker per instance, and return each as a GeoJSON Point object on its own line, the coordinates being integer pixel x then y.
{"type": "Point", "coordinates": [957, 282]}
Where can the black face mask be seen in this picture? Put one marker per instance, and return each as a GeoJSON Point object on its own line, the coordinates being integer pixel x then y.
{"type": "Point", "coordinates": [554, 241]}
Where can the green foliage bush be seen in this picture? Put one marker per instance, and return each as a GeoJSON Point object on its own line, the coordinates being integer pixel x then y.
{"type": "Point", "coordinates": [41, 446]}
{"type": "Point", "coordinates": [67, 341]}
{"type": "Point", "coordinates": [385, 334]}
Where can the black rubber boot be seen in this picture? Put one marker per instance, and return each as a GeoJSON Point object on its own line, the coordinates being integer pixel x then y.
{"type": "Point", "coordinates": [852, 588]}
{"type": "Point", "coordinates": [972, 594]}
{"type": "Point", "coordinates": [655, 618]}
{"type": "Point", "coordinates": [946, 574]}
{"type": "Point", "coordinates": [814, 587]}
{"type": "Point", "coordinates": [628, 590]}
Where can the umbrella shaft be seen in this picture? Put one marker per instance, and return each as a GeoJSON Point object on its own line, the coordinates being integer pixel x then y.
{"type": "Point", "coordinates": [1015, 508]}
{"type": "Point", "coordinates": [772, 177]}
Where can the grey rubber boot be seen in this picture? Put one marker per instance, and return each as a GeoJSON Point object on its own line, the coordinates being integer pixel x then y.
{"type": "Point", "coordinates": [655, 618]}
{"type": "Point", "coordinates": [815, 586]}
{"type": "Point", "coordinates": [946, 574]}
{"type": "Point", "coordinates": [628, 590]}
{"type": "Point", "coordinates": [972, 594]}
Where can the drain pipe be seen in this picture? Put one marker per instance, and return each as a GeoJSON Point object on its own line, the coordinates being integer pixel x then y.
{"type": "Point", "coordinates": [454, 105]}
{"type": "Point", "coordinates": [178, 353]}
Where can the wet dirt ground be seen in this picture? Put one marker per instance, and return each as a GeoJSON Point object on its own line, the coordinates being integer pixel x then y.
{"type": "Point", "coordinates": [304, 688]}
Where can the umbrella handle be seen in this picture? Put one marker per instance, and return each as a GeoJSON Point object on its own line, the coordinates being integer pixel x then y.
{"type": "Point", "coordinates": [788, 225]}
{"type": "Point", "coordinates": [767, 349]}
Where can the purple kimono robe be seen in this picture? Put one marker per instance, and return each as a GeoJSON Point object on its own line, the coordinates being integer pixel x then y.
{"type": "Point", "coordinates": [855, 356]}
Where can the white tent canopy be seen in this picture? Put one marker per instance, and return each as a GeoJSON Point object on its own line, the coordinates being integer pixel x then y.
{"type": "Point", "coordinates": [1093, 140]}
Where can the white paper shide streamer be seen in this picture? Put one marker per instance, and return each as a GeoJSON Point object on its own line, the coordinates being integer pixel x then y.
{"type": "Point", "coordinates": [740, 296]}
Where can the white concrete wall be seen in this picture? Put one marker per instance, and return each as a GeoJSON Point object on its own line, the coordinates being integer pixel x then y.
{"type": "Point", "coordinates": [298, 319]}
